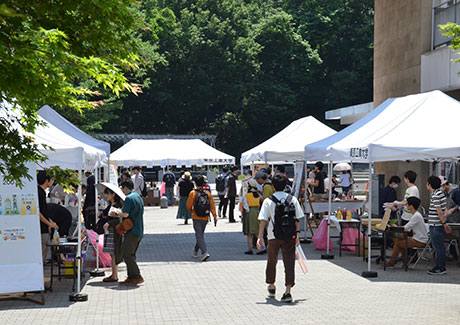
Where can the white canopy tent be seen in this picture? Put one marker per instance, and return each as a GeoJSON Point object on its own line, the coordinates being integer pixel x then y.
{"type": "Point", "coordinates": [54, 118]}
{"type": "Point", "coordinates": [169, 152]}
{"type": "Point", "coordinates": [64, 151]}
{"type": "Point", "coordinates": [405, 128]}
{"type": "Point", "coordinates": [401, 128]}
{"type": "Point", "coordinates": [288, 145]}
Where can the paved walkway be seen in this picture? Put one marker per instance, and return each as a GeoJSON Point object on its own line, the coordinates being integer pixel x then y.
{"type": "Point", "coordinates": [230, 288]}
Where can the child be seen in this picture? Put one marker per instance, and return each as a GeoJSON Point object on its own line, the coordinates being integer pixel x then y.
{"type": "Point", "coordinates": [251, 205]}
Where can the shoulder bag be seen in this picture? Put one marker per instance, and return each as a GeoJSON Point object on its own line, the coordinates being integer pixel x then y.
{"type": "Point", "coordinates": [127, 224]}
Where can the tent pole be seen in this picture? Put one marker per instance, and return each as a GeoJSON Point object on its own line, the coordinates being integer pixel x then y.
{"type": "Point", "coordinates": [369, 273]}
{"type": "Point", "coordinates": [328, 256]}
{"type": "Point", "coordinates": [97, 272]}
{"type": "Point", "coordinates": [78, 296]}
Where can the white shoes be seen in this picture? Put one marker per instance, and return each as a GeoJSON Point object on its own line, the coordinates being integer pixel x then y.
{"type": "Point", "coordinates": [195, 254]}
{"type": "Point", "coordinates": [205, 257]}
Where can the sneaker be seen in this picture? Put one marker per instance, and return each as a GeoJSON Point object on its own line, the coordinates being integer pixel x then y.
{"type": "Point", "coordinates": [262, 252]}
{"type": "Point", "coordinates": [271, 292]}
{"type": "Point", "coordinates": [195, 254]}
{"type": "Point", "coordinates": [286, 298]}
{"type": "Point", "coordinates": [437, 271]}
{"type": "Point", "coordinates": [249, 252]}
{"type": "Point", "coordinates": [205, 257]}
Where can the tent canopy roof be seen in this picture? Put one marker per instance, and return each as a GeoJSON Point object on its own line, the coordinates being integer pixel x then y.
{"type": "Point", "coordinates": [54, 118]}
{"type": "Point", "coordinates": [169, 152]}
{"type": "Point", "coordinates": [399, 129]}
{"type": "Point", "coordinates": [288, 145]}
{"type": "Point", "coordinates": [66, 151]}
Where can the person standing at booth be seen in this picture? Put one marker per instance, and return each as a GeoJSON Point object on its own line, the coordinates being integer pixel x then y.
{"type": "Point", "coordinates": [170, 180]}
{"type": "Point", "coordinates": [134, 210]}
{"type": "Point", "coordinates": [44, 182]}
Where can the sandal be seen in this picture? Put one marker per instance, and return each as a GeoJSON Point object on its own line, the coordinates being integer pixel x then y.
{"type": "Point", "coordinates": [109, 279]}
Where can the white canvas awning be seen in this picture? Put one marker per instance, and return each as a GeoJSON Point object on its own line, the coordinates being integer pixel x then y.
{"type": "Point", "coordinates": [421, 126]}
{"type": "Point", "coordinates": [65, 151]}
{"type": "Point", "coordinates": [169, 152]}
{"type": "Point", "coordinates": [288, 145]}
{"type": "Point", "coordinates": [54, 118]}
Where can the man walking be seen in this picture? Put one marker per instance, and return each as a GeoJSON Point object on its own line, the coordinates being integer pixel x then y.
{"type": "Point", "coordinates": [231, 193]}
{"type": "Point", "coordinates": [138, 180]}
{"type": "Point", "coordinates": [221, 184]}
{"type": "Point", "coordinates": [281, 212]}
{"type": "Point", "coordinates": [133, 209]}
{"type": "Point", "coordinates": [201, 204]}
{"type": "Point", "coordinates": [170, 180]}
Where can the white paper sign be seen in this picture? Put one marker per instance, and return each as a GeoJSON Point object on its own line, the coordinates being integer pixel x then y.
{"type": "Point", "coordinates": [21, 266]}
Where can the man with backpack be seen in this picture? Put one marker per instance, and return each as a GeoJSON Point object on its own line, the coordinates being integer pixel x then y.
{"type": "Point", "coordinates": [170, 180]}
{"type": "Point", "coordinates": [221, 184]}
{"type": "Point", "coordinates": [281, 213]}
{"type": "Point", "coordinates": [201, 204]}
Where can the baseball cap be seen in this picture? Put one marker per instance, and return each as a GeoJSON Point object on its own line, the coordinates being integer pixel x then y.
{"type": "Point", "coordinates": [443, 180]}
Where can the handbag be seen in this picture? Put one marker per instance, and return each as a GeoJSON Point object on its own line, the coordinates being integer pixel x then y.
{"type": "Point", "coordinates": [127, 224]}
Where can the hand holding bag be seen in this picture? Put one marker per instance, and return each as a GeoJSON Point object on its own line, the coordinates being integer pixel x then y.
{"type": "Point", "coordinates": [127, 224]}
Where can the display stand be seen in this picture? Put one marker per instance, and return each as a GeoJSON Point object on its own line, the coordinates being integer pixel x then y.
{"type": "Point", "coordinates": [25, 296]}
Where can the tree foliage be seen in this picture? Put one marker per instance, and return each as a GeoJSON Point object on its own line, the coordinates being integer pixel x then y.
{"type": "Point", "coordinates": [61, 53]}
{"type": "Point", "coordinates": [245, 69]}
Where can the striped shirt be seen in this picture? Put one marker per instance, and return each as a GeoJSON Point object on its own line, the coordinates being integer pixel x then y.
{"type": "Point", "coordinates": [438, 199]}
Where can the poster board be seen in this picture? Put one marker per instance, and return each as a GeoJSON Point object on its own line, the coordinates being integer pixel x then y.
{"type": "Point", "coordinates": [113, 173]}
{"type": "Point", "coordinates": [299, 168]}
{"type": "Point", "coordinates": [21, 265]}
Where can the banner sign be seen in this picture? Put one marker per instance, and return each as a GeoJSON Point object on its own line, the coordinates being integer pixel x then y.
{"type": "Point", "coordinates": [21, 265]}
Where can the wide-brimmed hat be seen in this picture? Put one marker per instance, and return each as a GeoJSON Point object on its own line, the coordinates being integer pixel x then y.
{"type": "Point", "coordinates": [187, 175]}
{"type": "Point", "coordinates": [115, 189]}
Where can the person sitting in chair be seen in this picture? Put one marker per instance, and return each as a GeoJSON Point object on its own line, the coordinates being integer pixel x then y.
{"type": "Point", "coordinates": [417, 225]}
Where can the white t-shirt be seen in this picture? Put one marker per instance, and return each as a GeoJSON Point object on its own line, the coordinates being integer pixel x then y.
{"type": "Point", "coordinates": [138, 181]}
{"type": "Point", "coordinates": [267, 212]}
{"type": "Point", "coordinates": [345, 180]}
{"type": "Point", "coordinates": [417, 225]}
{"type": "Point", "coordinates": [410, 191]}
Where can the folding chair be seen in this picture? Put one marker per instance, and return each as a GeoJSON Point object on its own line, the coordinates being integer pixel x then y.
{"type": "Point", "coordinates": [425, 253]}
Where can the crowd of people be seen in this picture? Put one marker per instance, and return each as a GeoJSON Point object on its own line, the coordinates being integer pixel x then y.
{"type": "Point", "coordinates": [444, 208]}
{"type": "Point", "coordinates": [121, 221]}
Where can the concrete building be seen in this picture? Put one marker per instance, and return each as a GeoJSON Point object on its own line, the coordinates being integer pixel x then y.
{"type": "Point", "coordinates": [411, 56]}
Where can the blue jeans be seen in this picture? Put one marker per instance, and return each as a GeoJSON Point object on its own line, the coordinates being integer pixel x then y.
{"type": "Point", "coordinates": [169, 191]}
{"type": "Point", "coordinates": [437, 235]}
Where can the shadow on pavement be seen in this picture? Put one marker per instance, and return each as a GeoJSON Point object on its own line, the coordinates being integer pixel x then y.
{"type": "Point", "coordinates": [277, 303]}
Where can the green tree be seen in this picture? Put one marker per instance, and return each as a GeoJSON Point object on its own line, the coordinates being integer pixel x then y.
{"type": "Point", "coordinates": [61, 53]}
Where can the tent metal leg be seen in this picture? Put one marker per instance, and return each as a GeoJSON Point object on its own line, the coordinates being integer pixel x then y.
{"type": "Point", "coordinates": [369, 273]}
{"type": "Point", "coordinates": [328, 256]}
{"type": "Point", "coordinates": [78, 296]}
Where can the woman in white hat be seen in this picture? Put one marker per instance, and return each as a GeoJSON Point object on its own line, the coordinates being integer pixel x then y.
{"type": "Point", "coordinates": [112, 240]}
{"type": "Point", "coordinates": [185, 186]}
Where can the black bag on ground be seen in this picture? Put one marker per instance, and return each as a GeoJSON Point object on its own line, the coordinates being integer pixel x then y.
{"type": "Point", "coordinates": [284, 223]}
{"type": "Point", "coordinates": [220, 183]}
{"type": "Point", "coordinates": [202, 204]}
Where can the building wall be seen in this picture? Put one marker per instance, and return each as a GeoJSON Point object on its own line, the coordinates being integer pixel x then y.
{"type": "Point", "coordinates": [402, 32]}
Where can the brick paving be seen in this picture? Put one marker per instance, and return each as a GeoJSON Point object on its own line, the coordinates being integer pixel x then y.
{"type": "Point", "coordinates": [230, 288]}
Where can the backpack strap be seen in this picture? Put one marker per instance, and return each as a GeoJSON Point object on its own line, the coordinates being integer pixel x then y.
{"type": "Point", "coordinates": [274, 199]}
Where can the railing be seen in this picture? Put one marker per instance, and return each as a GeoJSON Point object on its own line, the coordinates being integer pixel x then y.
{"type": "Point", "coordinates": [446, 12]}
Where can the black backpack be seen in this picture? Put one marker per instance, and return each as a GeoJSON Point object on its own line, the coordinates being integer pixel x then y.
{"type": "Point", "coordinates": [284, 223]}
{"type": "Point", "coordinates": [202, 204]}
{"type": "Point", "coordinates": [220, 183]}
{"type": "Point", "coordinates": [169, 179]}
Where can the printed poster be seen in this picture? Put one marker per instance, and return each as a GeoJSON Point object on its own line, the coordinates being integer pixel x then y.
{"type": "Point", "coordinates": [299, 168]}
{"type": "Point", "coordinates": [21, 265]}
